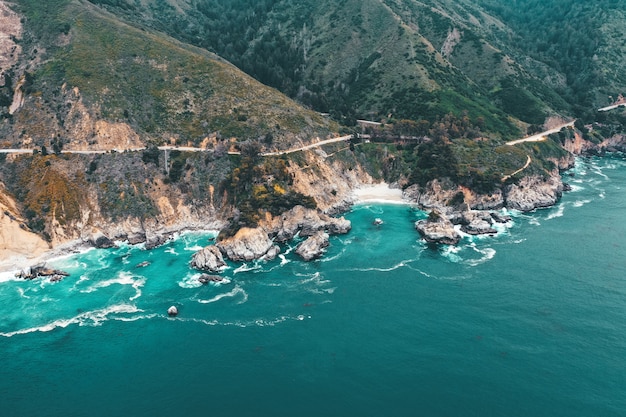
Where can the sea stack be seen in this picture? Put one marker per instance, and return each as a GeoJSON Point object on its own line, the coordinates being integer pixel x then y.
{"type": "Point", "coordinates": [172, 311]}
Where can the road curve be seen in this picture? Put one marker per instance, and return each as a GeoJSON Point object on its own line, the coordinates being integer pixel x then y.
{"type": "Point", "coordinates": [540, 136]}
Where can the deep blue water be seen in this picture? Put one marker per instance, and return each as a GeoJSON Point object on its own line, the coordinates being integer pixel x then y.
{"type": "Point", "coordinates": [529, 323]}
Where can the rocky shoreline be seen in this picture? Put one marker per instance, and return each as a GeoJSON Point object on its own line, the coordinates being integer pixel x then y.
{"type": "Point", "coordinates": [449, 205]}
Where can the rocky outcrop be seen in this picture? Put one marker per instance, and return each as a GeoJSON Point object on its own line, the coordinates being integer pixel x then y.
{"type": "Point", "coordinates": [208, 259]}
{"type": "Point", "coordinates": [41, 270]}
{"type": "Point", "coordinates": [313, 247]}
{"type": "Point", "coordinates": [205, 278]}
{"type": "Point", "coordinates": [534, 192]}
{"type": "Point", "coordinates": [438, 229]}
{"type": "Point", "coordinates": [478, 223]}
{"type": "Point", "coordinates": [100, 240]}
{"type": "Point", "coordinates": [305, 221]}
{"type": "Point", "coordinates": [172, 311]}
{"type": "Point", "coordinates": [248, 244]}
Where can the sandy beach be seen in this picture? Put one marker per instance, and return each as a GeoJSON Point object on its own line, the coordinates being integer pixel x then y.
{"type": "Point", "coordinates": [379, 193]}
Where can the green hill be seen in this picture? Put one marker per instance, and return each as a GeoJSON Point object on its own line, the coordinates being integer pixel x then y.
{"type": "Point", "coordinates": [160, 87]}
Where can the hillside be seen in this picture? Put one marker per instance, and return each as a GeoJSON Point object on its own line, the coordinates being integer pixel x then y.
{"type": "Point", "coordinates": [451, 82]}
{"type": "Point", "coordinates": [87, 75]}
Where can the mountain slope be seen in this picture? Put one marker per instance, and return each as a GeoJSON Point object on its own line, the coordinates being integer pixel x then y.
{"type": "Point", "coordinates": [142, 82]}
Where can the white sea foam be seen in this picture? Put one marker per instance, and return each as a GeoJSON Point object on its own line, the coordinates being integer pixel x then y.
{"type": "Point", "coordinates": [9, 276]}
{"type": "Point", "coordinates": [171, 250]}
{"type": "Point", "coordinates": [90, 318]}
{"type": "Point", "coordinates": [232, 293]}
{"type": "Point", "coordinates": [283, 260]}
{"type": "Point", "coordinates": [190, 281]}
{"type": "Point", "coordinates": [576, 188]}
{"type": "Point", "coordinates": [556, 213]}
{"type": "Point", "coordinates": [487, 254]}
{"type": "Point", "coordinates": [122, 278]}
{"type": "Point", "coordinates": [452, 253]}
{"type": "Point", "coordinates": [580, 203]}
{"type": "Point", "coordinates": [246, 268]}
{"type": "Point", "coordinates": [399, 265]}
{"type": "Point", "coordinates": [194, 248]}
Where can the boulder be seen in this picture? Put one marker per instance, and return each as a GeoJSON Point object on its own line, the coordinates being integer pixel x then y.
{"type": "Point", "coordinates": [208, 259]}
{"type": "Point", "coordinates": [101, 241]}
{"type": "Point", "coordinates": [172, 311]}
{"type": "Point", "coordinates": [313, 247]}
{"type": "Point", "coordinates": [205, 278]}
{"type": "Point", "coordinates": [438, 229]}
{"type": "Point", "coordinates": [247, 244]}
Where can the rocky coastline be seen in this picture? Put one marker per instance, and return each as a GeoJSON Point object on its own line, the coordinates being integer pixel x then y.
{"type": "Point", "coordinates": [261, 243]}
{"type": "Point", "coordinates": [455, 211]}
{"type": "Point", "coordinates": [450, 205]}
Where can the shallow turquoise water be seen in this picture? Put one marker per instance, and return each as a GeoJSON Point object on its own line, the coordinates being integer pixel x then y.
{"type": "Point", "coordinates": [529, 323]}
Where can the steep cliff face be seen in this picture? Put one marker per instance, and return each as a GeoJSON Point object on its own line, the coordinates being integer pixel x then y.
{"type": "Point", "coordinates": [329, 181]}
{"type": "Point", "coordinates": [18, 245]}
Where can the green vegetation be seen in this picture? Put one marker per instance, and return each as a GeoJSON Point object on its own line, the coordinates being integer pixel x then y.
{"type": "Point", "coordinates": [258, 185]}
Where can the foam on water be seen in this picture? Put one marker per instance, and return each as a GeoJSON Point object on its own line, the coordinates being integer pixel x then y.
{"type": "Point", "coordinates": [122, 278]}
{"type": "Point", "coordinates": [236, 291]}
{"type": "Point", "coordinates": [90, 318]}
{"type": "Point", "coordinates": [580, 203]}
{"type": "Point", "coordinates": [560, 209]}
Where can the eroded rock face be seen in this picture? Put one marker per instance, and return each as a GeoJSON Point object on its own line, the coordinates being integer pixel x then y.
{"type": "Point", "coordinates": [440, 230]}
{"type": "Point", "coordinates": [478, 223]}
{"type": "Point", "coordinates": [314, 246]}
{"type": "Point", "coordinates": [307, 222]}
{"type": "Point", "coordinates": [247, 244]}
{"type": "Point", "coordinates": [100, 240]}
{"type": "Point", "coordinates": [534, 192]}
{"type": "Point", "coordinates": [208, 259]}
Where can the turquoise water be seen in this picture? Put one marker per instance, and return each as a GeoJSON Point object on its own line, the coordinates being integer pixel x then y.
{"type": "Point", "coordinates": [529, 323]}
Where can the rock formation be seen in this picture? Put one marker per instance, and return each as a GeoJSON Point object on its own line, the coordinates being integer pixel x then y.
{"type": "Point", "coordinates": [41, 270]}
{"type": "Point", "coordinates": [172, 311]}
{"type": "Point", "coordinates": [534, 192]}
{"type": "Point", "coordinates": [478, 223]}
{"type": "Point", "coordinates": [313, 247]}
{"type": "Point", "coordinates": [438, 229]}
{"type": "Point", "coordinates": [208, 259]}
{"type": "Point", "coordinates": [100, 240]}
{"type": "Point", "coordinates": [248, 244]}
{"type": "Point", "coordinates": [307, 222]}
{"type": "Point", "coordinates": [205, 278]}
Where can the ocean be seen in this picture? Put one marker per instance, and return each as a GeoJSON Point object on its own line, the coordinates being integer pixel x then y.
{"type": "Point", "coordinates": [531, 322]}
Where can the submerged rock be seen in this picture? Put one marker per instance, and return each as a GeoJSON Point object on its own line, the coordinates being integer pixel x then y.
{"type": "Point", "coordinates": [313, 247]}
{"type": "Point", "coordinates": [208, 259]}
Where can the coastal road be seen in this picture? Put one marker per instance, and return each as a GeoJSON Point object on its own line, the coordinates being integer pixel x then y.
{"type": "Point", "coordinates": [539, 137]}
{"type": "Point", "coordinates": [310, 146]}
{"type": "Point", "coordinates": [183, 149]}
